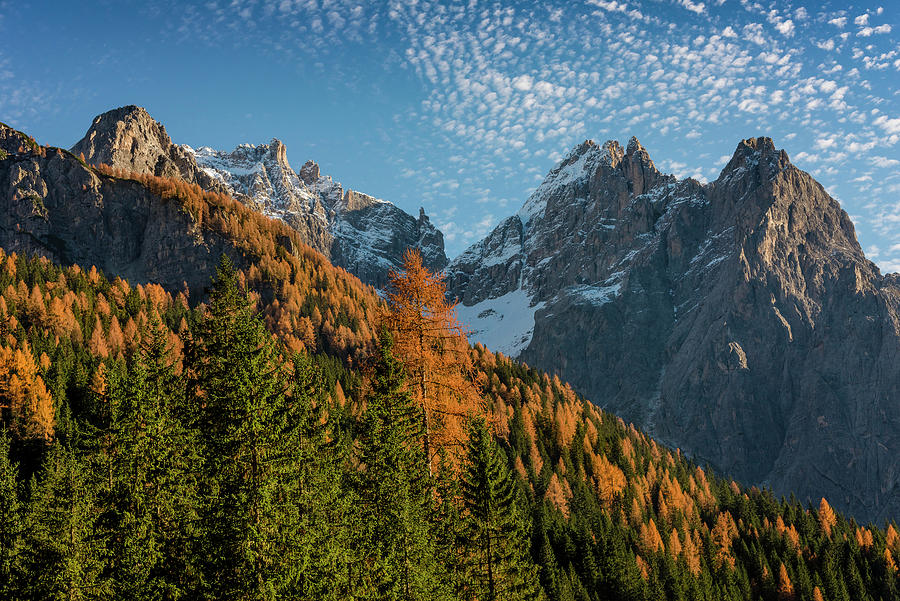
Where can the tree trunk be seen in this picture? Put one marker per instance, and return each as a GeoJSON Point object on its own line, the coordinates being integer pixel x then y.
{"type": "Point", "coordinates": [425, 424]}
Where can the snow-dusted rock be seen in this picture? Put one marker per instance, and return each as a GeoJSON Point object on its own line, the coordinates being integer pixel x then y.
{"type": "Point", "coordinates": [731, 319]}
{"type": "Point", "coordinates": [358, 232]}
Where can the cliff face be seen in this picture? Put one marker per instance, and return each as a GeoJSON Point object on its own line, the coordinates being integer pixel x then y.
{"type": "Point", "coordinates": [739, 320]}
{"type": "Point", "coordinates": [56, 207]}
{"type": "Point", "coordinates": [360, 233]}
{"type": "Point", "coordinates": [129, 138]}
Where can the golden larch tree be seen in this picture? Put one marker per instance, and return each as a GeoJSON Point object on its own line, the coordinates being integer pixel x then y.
{"type": "Point", "coordinates": [827, 517]}
{"type": "Point", "coordinates": [785, 587]}
{"type": "Point", "coordinates": [433, 348]}
{"type": "Point", "coordinates": [23, 395]}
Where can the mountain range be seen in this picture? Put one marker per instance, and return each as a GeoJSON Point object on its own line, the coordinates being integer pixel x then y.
{"type": "Point", "coordinates": [737, 320]}
{"type": "Point", "coordinates": [362, 234]}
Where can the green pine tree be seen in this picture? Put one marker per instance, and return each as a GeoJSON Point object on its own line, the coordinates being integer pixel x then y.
{"type": "Point", "coordinates": [397, 549]}
{"type": "Point", "coordinates": [500, 567]}
{"type": "Point", "coordinates": [250, 434]}
{"type": "Point", "coordinates": [11, 525]}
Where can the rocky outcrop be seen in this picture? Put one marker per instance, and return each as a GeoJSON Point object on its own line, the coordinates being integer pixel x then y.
{"type": "Point", "coordinates": [129, 138]}
{"type": "Point", "coordinates": [738, 320]}
{"type": "Point", "coordinates": [364, 235]}
{"type": "Point", "coordinates": [54, 206]}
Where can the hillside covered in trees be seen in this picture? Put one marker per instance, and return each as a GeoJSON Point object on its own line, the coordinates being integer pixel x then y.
{"type": "Point", "coordinates": [289, 435]}
{"type": "Point", "coordinates": [188, 453]}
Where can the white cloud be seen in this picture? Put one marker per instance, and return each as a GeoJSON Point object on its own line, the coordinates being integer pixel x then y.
{"type": "Point", "coordinates": [868, 31]}
{"type": "Point", "coordinates": [862, 19]}
{"type": "Point", "coordinates": [839, 22]}
{"type": "Point", "coordinates": [523, 83]}
{"type": "Point", "coordinates": [785, 28]}
{"type": "Point", "coordinates": [751, 105]}
{"type": "Point", "coordinates": [610, 5]}
{"type": "Point", "coordinates": [884, 162]}
{"type": "Point", "coordinates": [754, 33]}
{"type": "Point", "coordinates": [890, 126]}
{"type": "Point", "coordinates": [695, 7]}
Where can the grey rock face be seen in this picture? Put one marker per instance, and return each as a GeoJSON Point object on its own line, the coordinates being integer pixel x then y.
{"type": "Point", "coordinates": [129, 138]}
{"type": "Point", "coordinates": [739, 321]}
{"type": "Point", "coordinates": [55, 207]}
{"type": "Point", "coordinates": [355, 231]}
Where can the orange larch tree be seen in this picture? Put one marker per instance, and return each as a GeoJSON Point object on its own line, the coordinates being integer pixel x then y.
{"type": "Point", "coordinates": [24, 396]}
{"type": "Point", "coordinates": [433, 348]}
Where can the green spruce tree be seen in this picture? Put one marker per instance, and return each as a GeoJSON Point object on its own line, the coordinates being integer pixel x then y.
{"type": "Point", "coordinates": [324, 508]}
{"type": "Point", "coordinates": [62, 558]}
{"type": "Point", "coordinates": [500, 567]}
{"type": "Point", "coordinates": [150, 499]}
{"type": "Point", "coordinates": [397, 548]}
{"type": "Point", "coordinates": [250, 434]}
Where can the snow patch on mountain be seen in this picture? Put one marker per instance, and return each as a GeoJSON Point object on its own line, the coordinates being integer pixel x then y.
{"type": "Point", "coordinates": [596, 295]}
{"type": "Point", "coordinates": [578, 165]}
{"type": "Point", "coordinates": [504, 324]}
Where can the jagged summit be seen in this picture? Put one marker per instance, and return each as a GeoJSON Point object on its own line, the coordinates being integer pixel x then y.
{"type": "Point", "coordinates": [752, 150]}
{"type": "Point", "coordinates": [309, 172]}
{"type": "Point", "coordinates": [634, 145]}
{"type": "Point", "coordinates": [129, 138]}
{"type": "Point", "coordinates": [127, 133]}
{"type": "Point", "coordinates": [356, 231]}
{"type": "Point", "coordinates": [731, 319]}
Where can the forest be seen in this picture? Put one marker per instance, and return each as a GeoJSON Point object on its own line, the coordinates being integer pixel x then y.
{"type": "Point", "coordinates": [286, 434]}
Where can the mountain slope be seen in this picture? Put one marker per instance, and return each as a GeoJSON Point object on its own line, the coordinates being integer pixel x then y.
{"type": "Point", "coordinates": [362, 234]}
{"type": "Point", "coordinates": [613, 514]}
{"type": "Point", "coordinates": [150, 229]}
{"type": "Point", "coordinates": [739, 320]}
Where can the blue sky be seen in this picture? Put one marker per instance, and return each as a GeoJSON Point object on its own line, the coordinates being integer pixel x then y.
{"type": "Point", "coordinates": [463, 106]}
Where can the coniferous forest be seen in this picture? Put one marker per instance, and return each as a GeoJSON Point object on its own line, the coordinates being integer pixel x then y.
{"type": "Point", "coordinates": [285, 434]}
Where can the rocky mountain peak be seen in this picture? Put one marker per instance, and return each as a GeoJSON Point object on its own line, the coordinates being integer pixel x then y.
{"type": "Point", "coordinates": [753, 152]}
{"type": "Point", "coordinates": [278, 152]}
{"type": "Point", "coordinates": [737, 320]}
{"type": "Point", "coordinates": [309, 172]}
{"type": "Point", "coordinates": [126, 137]}
{"type": "Point", "coordinates": [634, 145]}
{"type": "Point", "coordinates": [613, 153]}
{"type": "Point", "coordinates": [129, 138]}
{"type": "Point", "coordinates": [572, 175]}
{"type": "Point", "coordinates": [759, 144]}
{"type": "Point", "coordinates": [273, 154]}
{"type": "Point", "coordinates": [641, 173]}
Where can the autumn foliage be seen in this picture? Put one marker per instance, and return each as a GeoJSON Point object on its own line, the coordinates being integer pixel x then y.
{"type": "Point", "coordinates": [24, 396]}
{"type": "Point", "coordinates": [613, 514]}
{"type": "Point", "coordinates": [432, 346]}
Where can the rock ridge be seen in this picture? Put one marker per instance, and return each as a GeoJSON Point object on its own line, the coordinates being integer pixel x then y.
{"type": "Point", "coordinates": [358, 232]}
{"type": "Point", "coordinates": [725, 318]}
